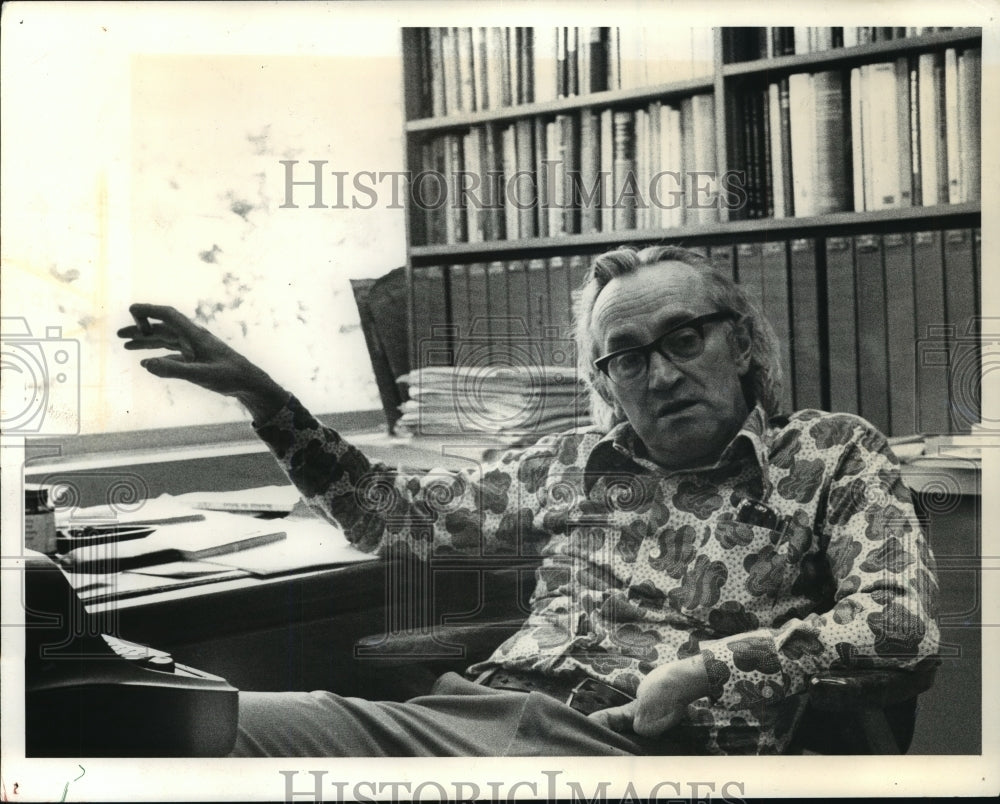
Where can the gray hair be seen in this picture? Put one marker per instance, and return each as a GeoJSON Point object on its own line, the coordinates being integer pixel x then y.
{"type": "Point", "coordinates": [763, 381]}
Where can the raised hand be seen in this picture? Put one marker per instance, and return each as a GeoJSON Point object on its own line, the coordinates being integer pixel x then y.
{"type": "Point", "coordinates": [200, 358]}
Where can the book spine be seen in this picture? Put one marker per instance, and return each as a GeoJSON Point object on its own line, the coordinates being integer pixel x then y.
{"type": "Point", "coordinates": [676, 162]}
{"type": "Point", "coordinates": [471, 154]}
{"type": "Point", "coordinates": [873, 368]}
{"type": "Point", "coordinates": [905, 150]}
{"type": "Point", "coordinates": [492, 160]}
{"type": "Point", "coordinates": [509, 79]}
{"type": "Point", "coordinates": [542, 170]}
{"type": "Point", "coordinates": [480, 68]}
{"type": "Point", "coordinates": [511, 219]}
{"type": "Point", "coordinates": [928, 130]}
{"type": "Point", "coordinates": [965, 366]}
{"type": "Point", "coordinates": [774, 276]}
{"type": "Point", "coordinates": [590, 167]}
{"type": "Point", "coordinates": [557, 178]}
{"type": "Point", "coordinates": [438, 104]}
{"type": "Point", "coordinates": [767, 177]}
{"type": "Point", "coordinates": [916, 183]}
{"type": "Point", "coordinates": [495, 67]}
{"type": "Point", "coordinates": [460, 311]}
{"type": "Point", "coordinates": [688, 215]}
{"type": "Point", "coordinates": [614, 59]}
{"type": "Point", "coordinates": [466, 70]}
{"type": "Point", "coordinates": [583, 60]}
{"type": "Point", "coordinates": [970, 123]}
{"type": "Point", "coordinates": [900, 332]}
{"type": "Point", "coordinates": [561, 67]}
{"type": "Point", "coordinates": [704, 157]}
{"type": "Point", "coordinates": [641, 166]}
{"type": "Point", "coordinates": [942, 130]}
{"type": "Point", "coordinates": [951, 125]}
{"type": "Point", "coordinates": [803, 137]}
{"type": "Point", "coordinates": [570, 145]}
{"type": "Point", "coordinates": [777, 158]}
{"type": "Point", "coordinates": [518, 312]}
{"type": "Point", "coordinates": [929, 303]}
{"type": "Point", "coordinates": [545, 64]}
{"type": "Point", "coordinates": [806, 379]}
{"type": "Point", "coordinates": [841, 325]}
{"type": "Point", "coordinates": [526, 50]}
{"type": "Point", "coordinates": [786, 147]}
{"type": "Point", "coordinates": [884, 138]}
{"type": "Point", "coordinates": [857, 140]}
{"type": "Point", "coordinates": [479, 310]}
{"type": "Point", "coordinates": [598, 79]}
{"type": "Point", "coordinates": [497, 303]}
{"type": "Point", "coordinates": [522, 189]}
{"type": "Point", "coordinates": [572, 63]}
{"type": "Point", "coordinates": [452, 79]}
{"type": "Point", "coordinates": [607, 171]}
{"type": "Point", "coordinates": [624, 167]}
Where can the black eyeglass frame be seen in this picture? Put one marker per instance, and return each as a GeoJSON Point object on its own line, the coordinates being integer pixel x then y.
{"type": "Point", "coordinates": [697, 323]}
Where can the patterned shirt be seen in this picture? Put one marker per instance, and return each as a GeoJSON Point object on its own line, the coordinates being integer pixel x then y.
{"type": "Point", "coordinates": [797, 552]}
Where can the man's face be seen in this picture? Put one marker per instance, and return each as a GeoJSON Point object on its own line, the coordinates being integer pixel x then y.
{"type": "Point", "coordinates": [685, 412]}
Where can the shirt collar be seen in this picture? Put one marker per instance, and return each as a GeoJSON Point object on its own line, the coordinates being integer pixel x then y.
{"type": "Point", "coordinates": [621, 449]}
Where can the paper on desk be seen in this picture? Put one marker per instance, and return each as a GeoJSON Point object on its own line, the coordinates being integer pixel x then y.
{"type": "Point", "coordinates": [311, 543]}
{"type": "Point", "coordinates": [267, 499]}
{"type": "Point", "coordinates": [162, 510]}
{"type": "Point", "coordinates": [181, 569]}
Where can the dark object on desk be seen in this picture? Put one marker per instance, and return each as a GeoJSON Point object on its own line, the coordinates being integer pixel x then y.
{"type": "Point", "coordinates": [91, 695]}
{"type": "Point", "coordinates": [89, 536]}
{"type": "Point", "coordinates": [382, 305]}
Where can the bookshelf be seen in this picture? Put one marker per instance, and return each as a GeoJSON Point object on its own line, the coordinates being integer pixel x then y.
{"type": "Point", "coordinates": [876, 303]}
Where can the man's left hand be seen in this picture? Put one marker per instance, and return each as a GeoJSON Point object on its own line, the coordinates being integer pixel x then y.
{"type": "Point", "coordinates": [661, 701]}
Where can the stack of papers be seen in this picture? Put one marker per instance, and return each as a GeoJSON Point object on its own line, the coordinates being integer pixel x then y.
{"type": "Point", "coordinates": [494, 400]}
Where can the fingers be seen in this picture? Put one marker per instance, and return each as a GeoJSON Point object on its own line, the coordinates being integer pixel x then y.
{"type": "Point", "coordinates": [616, 718]}
{"type": "Point", "coordinates": [174, 366]}
{"type": "Point", "coordinates": [158, 333]}
{"type": "Point", "coordinates": [169, 315]}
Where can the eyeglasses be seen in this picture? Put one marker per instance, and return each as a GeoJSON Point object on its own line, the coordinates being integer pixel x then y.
{"type": "Point", "coordinates": [679, 344]}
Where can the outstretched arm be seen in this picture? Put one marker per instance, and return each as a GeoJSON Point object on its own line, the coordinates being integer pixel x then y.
{"type": "Point", "coordinates": [200, 357]}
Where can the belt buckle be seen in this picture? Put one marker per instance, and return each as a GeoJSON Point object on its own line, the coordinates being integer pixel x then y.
{"type": "Point", "coordinates": [592, 695]}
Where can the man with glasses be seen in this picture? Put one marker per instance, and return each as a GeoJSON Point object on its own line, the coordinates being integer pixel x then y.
{"type": "Point", "coordinates": [701, 555]}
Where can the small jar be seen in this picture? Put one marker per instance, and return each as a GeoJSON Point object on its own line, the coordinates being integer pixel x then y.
{"type": "Point", "coordinates": [39, 520]}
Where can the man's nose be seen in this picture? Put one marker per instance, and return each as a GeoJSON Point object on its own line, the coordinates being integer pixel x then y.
{"type": "Point", "coordinates": [662, 371]}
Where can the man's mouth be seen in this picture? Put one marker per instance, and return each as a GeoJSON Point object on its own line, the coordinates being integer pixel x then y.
{"type": "Point", "coordinates": [676, 406]}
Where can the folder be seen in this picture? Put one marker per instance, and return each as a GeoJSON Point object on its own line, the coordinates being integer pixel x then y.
{"type": "Point", "coordinates": [841, 325]}
{"type": "Point", "coordinates": [901, 332]}
{"type": "Point", "coordinates": [774, 280]}
{"type": "Point", "coordinates": [931, 353]}
{"type": "Point", "coordinates": [807, 356]}
{"type": "Point", "coordinates": [961, 295]}
{"type": "Point", "coordinates": [873, 367]}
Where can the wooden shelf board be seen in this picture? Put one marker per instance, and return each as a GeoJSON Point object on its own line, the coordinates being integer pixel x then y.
{"type": "Point", "coordinates": [837, 224]}
{"type": "Point", "coordinates": [847, 57]}
{"type": "Point", "coordinates": [617, 98]}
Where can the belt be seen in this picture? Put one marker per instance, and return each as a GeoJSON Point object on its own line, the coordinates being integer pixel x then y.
{"type": "Point", "coordinates": [586, 696]}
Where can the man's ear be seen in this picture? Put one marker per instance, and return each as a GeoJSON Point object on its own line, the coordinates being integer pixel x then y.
{"type": "Point", "coordinates": [742, 344]}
